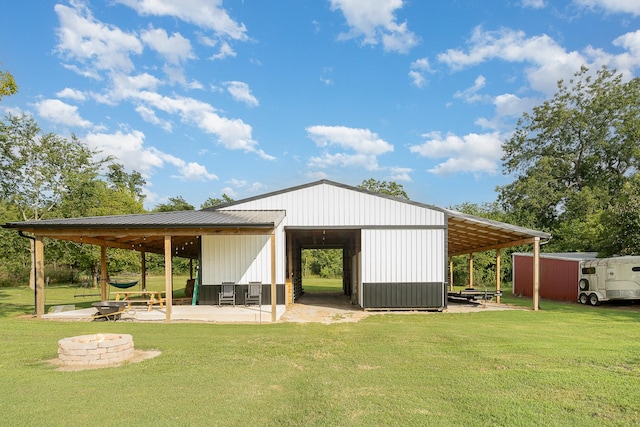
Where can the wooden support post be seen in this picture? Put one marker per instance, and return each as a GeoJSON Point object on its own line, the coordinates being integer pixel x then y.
{"type": "Point", "coordinates": [168, 286]}
{"type": "Point", "coordinates": [536, 274]}
{"type": "Point", "coordinates": [273, 278]}
{"type": "Point", "coordinates": [103, 273]}
{"type": "Point", "coordinates": [498, 275]}
{"type": "Point", "coordinates": [471, 270]}
{"type": "Point", "coordinates": [39, 276]}
{"type": "Point", "coordinates": [143, 259]}
{"type": "Point", "coordinates": [451, 274]}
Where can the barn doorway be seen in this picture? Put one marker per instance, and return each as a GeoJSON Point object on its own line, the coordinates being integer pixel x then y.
{"type": "Point", "coordinates": [320, 264]}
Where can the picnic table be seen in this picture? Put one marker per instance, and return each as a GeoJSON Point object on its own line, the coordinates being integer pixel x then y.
{"type": "Point", "coordinates": [145, 297]}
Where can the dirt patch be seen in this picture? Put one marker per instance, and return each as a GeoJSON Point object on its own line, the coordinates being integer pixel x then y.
{"type": "Point", "coordinates": [323, 308]}
{"type": "Point", "coordinates": [337, 308]}
{"type": "Point", "coordinates": [138, 356]}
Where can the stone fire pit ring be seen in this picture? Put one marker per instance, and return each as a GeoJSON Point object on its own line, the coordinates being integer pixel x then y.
{"type": "Point", "coordinates": [95, 350]}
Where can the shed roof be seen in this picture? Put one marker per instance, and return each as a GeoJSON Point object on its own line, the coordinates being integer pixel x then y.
{"type": "Point", "coordinates": [145, 232]}
{"type": "Point", "coordinates": [466, 233]}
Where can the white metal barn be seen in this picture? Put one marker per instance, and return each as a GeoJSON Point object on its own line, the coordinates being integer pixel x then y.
{"type": "Point", "coordinates": [395, 251]}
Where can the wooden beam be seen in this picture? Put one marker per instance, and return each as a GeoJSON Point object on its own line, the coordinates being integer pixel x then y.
{"type": "Point", "coordinates": [498, 275]}
{"type": "Point", "coordinates": [147, 232]}
{"type": "Point", "coordinates": [39, 276]}
{"type": "Point", "coordinates": [103, 273]}
{"type": "Point", "coordinates": [471, 270]}
{"type": "Point", "coordinates": [143, 262]}
{"type": "Point", "coordinates": [520, 242]}
{"type": "Point", "coordinates": [273, 278]}
{"type": "Point", "coordinates": [451, 274]}
{"type": "Point", "coordinates": [168, 277]}
{"type": "Point", "coordinates": [536, 274]}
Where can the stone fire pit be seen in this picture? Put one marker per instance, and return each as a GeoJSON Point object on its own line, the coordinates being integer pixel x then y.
{"type": "Point", "coordinates": [95, 350]}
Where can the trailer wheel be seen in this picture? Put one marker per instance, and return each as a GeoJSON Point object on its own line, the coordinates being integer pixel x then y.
{"type": "Point", "coordinates": [583, 284]}
{"type": "Point", "coordinates": [583, 299]}
{"type": "Point", "coordinates": [593, 300]}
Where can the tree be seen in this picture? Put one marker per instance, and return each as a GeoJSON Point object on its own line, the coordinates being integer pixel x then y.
{"type": "Point", "coordinates": [174, 204]}
{"type": "Point", "coordinates": [390, 188]}
{"type": "Point", "coordinates": [8, 85]}
{"type": "Point", "coordinates": [571, 157]}
{"type": "Point", "coordinates": [38, 170]}
{"type": "Point", "coordinates": [121, 180]}
{"type": "Point", "coordinates": [620, 233]}
{"type": "Point", "coordinates": [211, 202]}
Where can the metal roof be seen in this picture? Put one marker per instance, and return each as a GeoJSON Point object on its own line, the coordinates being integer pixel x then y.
{"type": "Point", "coordinates": [466, 233]}
{"type": "Point", "coordinates": [179, 219]}
{"type": "Point", "coordinates": [146, 232]}
{"type": "Point", "coordinates": [470, 233]}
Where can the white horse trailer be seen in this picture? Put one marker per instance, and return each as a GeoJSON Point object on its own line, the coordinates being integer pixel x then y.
{"type": "Point", "coordinates": [609, 279]}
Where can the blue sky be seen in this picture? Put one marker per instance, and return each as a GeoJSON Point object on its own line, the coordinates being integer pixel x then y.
{"type": "Point", "coordinates": [205, 97]}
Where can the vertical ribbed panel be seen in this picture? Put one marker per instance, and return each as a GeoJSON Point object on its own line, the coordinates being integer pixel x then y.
{"type": "Point", "coordinates": [239, 259]}
{"type": "Point", "coordinates": [404, 295]}
{"type": "Point", "coordinates": [328, 205]}
{"type": "Point", "coordinates": [403, 256]}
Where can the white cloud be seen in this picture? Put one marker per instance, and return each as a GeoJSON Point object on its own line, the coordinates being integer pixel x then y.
{"type": "Point", "coordinates": [62, 113]}
{"type": "Point", "coordinates": [130, 150]}
{"type": "Point", "coordinates": [175, 49]}
{"type": "Point", "coordinates": [613, 6]}
{"type": "Point", "coordinates": [470, 95]}
{"type": "Point", "coordinates": [240, 92]}
{"type": "Point", "coordinates": [474, 153]}
{"type": "Point", "coordinates": [534, 4]}
{"type": "Point", "coordinates": [225, 51]}
{"type": "Point", "coordinates": [366, 145]}
{"type": "Point", "coordinates": [375, 21]}
{"type": "Point", "coordinates": [207, 14]}
{"type": "Point", "coordinates": [74, 94]}
{"type": "Point", "coordinates": [95, 45]}
{"type": "Point", "coordinates": [233, 134]}
{"type": "Point", "coordinates": [549, 61]}
{"type": "Point", "coordinates": [401, 174]}
{"type": "Point", "coordinates": [419, 68]}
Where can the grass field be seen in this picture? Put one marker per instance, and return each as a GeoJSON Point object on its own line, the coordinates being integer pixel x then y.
{"type": "Point", "coordinates": [565, 365]}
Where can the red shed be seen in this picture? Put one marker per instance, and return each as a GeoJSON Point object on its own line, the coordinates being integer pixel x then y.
{"type": "Point", "coordinates": [558, 274]}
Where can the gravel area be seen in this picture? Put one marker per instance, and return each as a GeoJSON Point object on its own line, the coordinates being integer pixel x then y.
{"type": "Point", "coordinates": [335, 308]}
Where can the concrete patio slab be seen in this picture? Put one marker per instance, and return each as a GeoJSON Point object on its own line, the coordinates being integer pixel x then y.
{"type": "Point", "coordinates": [186, 313]}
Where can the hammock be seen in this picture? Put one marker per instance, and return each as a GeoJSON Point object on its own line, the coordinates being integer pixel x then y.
{"type": "Point", "coordinates": [123, 285]}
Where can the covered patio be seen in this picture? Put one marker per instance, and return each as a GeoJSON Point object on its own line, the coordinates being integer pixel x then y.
{"type": "Point", "coordinates": [166, 233]}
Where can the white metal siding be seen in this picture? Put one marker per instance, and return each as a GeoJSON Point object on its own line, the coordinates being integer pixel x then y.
{"type": "Point", "coordinates": [239, 259]}
{"type": "Point", "coordinates": [327, 205]}
{"type": "Point", "coordinates": [408, 256]}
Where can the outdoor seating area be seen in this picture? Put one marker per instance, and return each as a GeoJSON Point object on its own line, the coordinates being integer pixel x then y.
{"type": "Point", "coordinates": [150, 298]}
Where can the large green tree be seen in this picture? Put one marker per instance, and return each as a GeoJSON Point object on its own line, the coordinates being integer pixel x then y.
{"type": "Point", "coordinates": [38, 170]}
{"type": "Point", "coordinates": [390, 188]}
{"type": "Point", "coordinates": [571, 157]}
{"type": "Point", "coordinates": [174, 204]}
{"type": "Point", "coordinates": [213, 202]}
{"type": "Point", "coordinates": [8, 84]}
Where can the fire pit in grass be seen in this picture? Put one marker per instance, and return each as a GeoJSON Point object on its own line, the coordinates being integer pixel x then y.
{"type": "Point", "coordinates": [109, 310]}
{"type": "Point", "coordinates": [95, 350]}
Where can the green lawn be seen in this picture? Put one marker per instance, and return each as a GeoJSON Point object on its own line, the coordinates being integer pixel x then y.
{"type": "Point", "coordinates": [565, 365]}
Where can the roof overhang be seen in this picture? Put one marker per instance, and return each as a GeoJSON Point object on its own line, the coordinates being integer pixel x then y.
{"type": "Point", "coordinates": [146, 232]}
{"type": "Point", "coordinates": [470, 234]}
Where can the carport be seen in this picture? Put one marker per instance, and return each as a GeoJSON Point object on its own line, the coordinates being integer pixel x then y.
{"type": "Point", "coordinates": [469, 234]}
